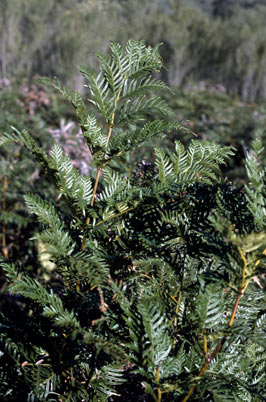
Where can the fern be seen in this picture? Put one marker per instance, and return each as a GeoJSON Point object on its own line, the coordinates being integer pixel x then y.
{"type": "Point", "coordinates": [255, 192]}
{"type": "Point", "coordinates": [157, 275]}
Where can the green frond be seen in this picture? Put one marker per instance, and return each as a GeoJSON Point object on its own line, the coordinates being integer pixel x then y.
{"type": "Point", "coordinates": [57, 241]}
{"type": "Point", "coordinates": [7, 138]}
{"type": "Point", "coordinates": [99, 91]}
{"type": "Point", "coordinates": [155, 325]}
{"type": "Point", "coordinates": [126, 140]}
{"type": "Point", "coordinates": [106, 379]}
{"type": "Point", "coordinates": [29, 142]}
{"type": "Point", "coordinates": [51, 303]}
{"type": "Point", "coordinates": [71, 95]}
{"type": "Point", "coordinates": [142, 59]}
{"type": "Point", "coordinates": [45, 383]}
{"type": "Point", "coordinates": [164, 165]}
{"type": "Point", "coordinates": [44, 210]}
{"type": "Point", "coordinates": [113, 186]}
{"type": "Point", "coordinates": [149, 265]}
{"type": "Point", "coordinates": [94, 136]}
{"type": "Point", "coordinates": [115, 68]}
{"type": "Point", "coordinates": [136, 88]}
{"type": "Point", "coordinates": [200, 162]}
{"type": "Point", "coordinates": [136, 109]}
{"type": "Point", "coordinates": [90, 268]}
{"type": "Point", "coordinates": [255, 191]}
{"type": "Point", "coordinates": [10, 270]}
{"type": "Point", "coordinates": [209, 307]}
{"type": "Point", "coordinates": [75, 186]}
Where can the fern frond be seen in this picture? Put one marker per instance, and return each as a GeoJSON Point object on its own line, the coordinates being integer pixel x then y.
{"type": "Point", "coordinates": [200, 162]}
{"type": "Point", "coordinates": [71, 95]}
{"type": "Point", "coordinates": [135, 109]}
{"type": "Point", "coordinates": [136, 88]}
{"type": "Point", "coordinates": [142, 59]}
{"type": "Point", "coordinates": [255, 191]}
{"type": "Point", "coordinates": [94, 136]}
{"type": "Point", "coordinates": [71, 183]}
{"type": "Point", "coordinates": [44, 210]}
{"type": "Point", "coordinates": [209, 307]}
{"type": "Point", "coordinates": [99, 90]}
{"type": "Point", "coordinates": [164, 165]}
{"type": "Point", "coordinates": [128, 139]}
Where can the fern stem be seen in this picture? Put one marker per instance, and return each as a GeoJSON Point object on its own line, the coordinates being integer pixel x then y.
{"type": "Point", "coordinates": [235, 308]}
{"type": "Point", "coordinates": [205, 344]}
{"type": "Point", "coordinates": [111, 125]}
{"type": "Point", "coordinates": [159, 392]}
{"type": "Point", "coordinates": [176, 311]}
{"type": "Point", "coordinates": [202, 371]}
{"type": "Point", "coordinates": [96, 185]}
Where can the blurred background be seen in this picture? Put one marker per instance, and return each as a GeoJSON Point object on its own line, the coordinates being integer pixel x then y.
{"type": "Point", "coordinates": [214, 54]}
{"type": "Point", "coordinates": [205, 42]}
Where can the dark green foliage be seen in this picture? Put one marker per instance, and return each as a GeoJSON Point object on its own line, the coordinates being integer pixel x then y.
{"type": "Point", "coordinates": [157, 282]}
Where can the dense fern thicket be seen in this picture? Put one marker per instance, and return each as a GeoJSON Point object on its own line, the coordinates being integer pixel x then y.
{"type": "Point", "coordinates": [157, 285]}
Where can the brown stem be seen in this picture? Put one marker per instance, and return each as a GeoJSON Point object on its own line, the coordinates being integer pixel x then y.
{"type": "Point", "coordinates": [235, 308]}
{"type": "Point", "coordinates": [205, 344]}
{"type": "Point", "coordinates": [109, 132]}
{"type": "Point", "coordinates": [96, 185]}
{"type": "Point", "coordinates": [159, 392]}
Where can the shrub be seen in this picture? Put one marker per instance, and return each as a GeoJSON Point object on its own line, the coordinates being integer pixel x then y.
{"type": "Point", "coordinates": [159, 289]}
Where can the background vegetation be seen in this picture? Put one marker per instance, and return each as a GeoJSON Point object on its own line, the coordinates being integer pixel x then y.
{"type": "Point", "coordinates": [218, 42]}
